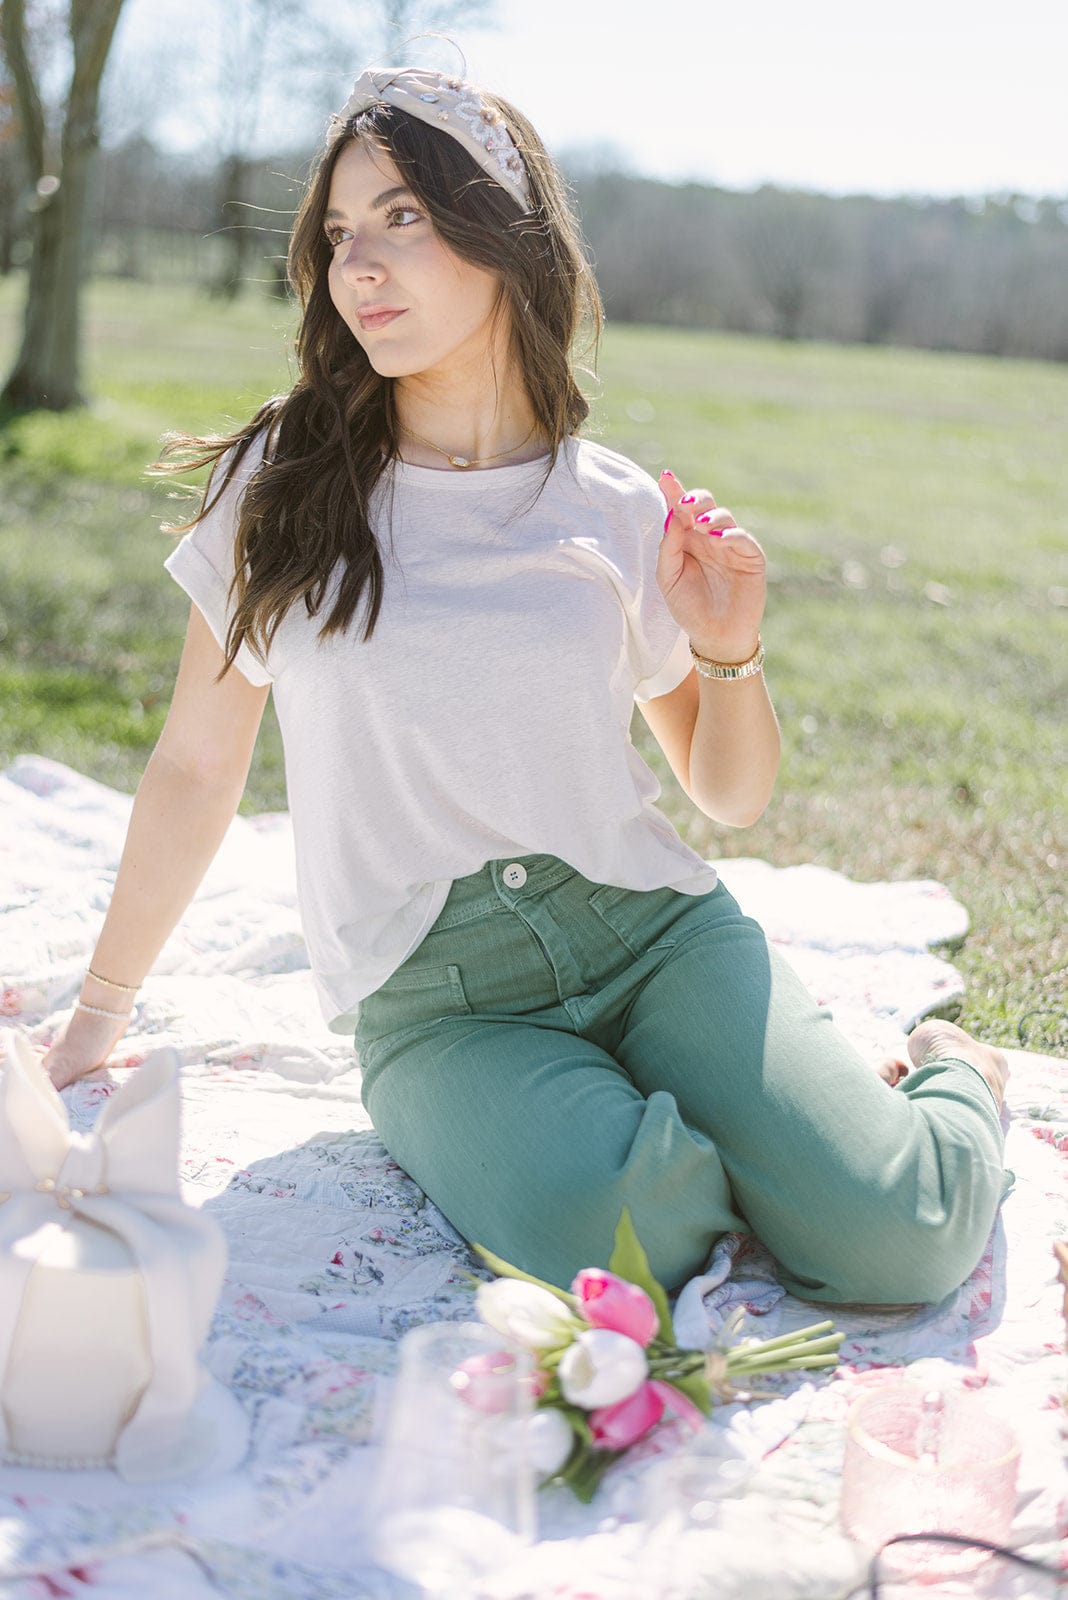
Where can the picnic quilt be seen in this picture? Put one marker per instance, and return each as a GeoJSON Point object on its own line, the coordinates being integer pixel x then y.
{"type": "Point", "coordinates": [334, 1253]}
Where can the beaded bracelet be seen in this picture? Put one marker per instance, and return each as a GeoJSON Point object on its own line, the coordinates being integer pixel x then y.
{"type": "Point", "coordinates": [99, 1011]}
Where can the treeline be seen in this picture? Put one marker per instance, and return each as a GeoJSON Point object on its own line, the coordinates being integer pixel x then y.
{"type": "Point", "coordinates": [987, 275]}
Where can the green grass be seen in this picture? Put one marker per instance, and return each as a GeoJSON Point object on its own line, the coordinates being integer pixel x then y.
{"type": "Point", "coordinates": [913, 507]}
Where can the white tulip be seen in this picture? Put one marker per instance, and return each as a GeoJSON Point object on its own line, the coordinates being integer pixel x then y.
{"type": "Point", "coordinates": [601, 1368]}
{"type": "Point", "coordinates": [540, 1443]}
{"type": "Point", "coordinates": [551, 1442]}
{"type": "Point", "coordinates": [521, 1311]}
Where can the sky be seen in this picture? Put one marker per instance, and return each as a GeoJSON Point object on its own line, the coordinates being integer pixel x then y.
{"type": "Point", "coordinates": [916, 97]}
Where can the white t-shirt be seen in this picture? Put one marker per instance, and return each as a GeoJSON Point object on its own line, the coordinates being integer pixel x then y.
{"type": "Point", "coordinates": [489, 715]}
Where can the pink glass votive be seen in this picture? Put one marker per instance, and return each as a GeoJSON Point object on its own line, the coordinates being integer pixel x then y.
{"type": "Point", "coordinates": [927, 1460]}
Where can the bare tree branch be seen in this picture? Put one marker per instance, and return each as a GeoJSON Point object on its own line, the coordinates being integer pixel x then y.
{"type": "Point", "coordinates": [31, 109]}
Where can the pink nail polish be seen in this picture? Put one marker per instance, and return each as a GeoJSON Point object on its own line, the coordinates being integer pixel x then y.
{"type": "Point", "coordinates": [688, 499]}
{"type": "Point", "coordinates": [668, 518]}
{"type": "Point", "coordinates": [702, 520]}
{"type": "Point", "coordinates": [668, 474]}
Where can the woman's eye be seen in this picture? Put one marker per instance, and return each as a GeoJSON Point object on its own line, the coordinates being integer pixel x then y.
{"type": "Point", "coordinates": [399, 217]}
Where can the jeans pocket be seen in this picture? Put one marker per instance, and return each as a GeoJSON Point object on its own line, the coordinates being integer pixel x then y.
{"type": "Point", "coordinates": [411, 997]}
{"type": "Point", "coordinates": [639, 918]}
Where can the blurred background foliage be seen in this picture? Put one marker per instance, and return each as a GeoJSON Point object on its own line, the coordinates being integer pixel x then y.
{"type": "Point", "coordinates": [979, 273]}
{"type": "Point", "coordinates": [875, 386]}
{"type": "Point", "coordinates": [984, 273]}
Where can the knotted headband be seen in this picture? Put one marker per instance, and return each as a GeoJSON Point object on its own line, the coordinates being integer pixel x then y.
{"type": "Point", "coordinates": [454, 106]}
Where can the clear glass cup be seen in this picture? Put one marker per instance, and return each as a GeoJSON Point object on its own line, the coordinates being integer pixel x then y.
{"type": "Point", "coordinates": [453, 1497]}
{"type": "Point", "coordinates": [921, 1459]}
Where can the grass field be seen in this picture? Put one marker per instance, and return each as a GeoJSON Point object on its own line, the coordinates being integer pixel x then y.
{"type": "Point", "coordinates": [915, 512]}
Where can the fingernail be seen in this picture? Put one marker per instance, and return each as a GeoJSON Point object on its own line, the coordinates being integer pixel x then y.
{"type": "Point", "coordinates": [668, 474]}
{"type": "Point", "coordinates": [668, 518]}
{"type": "Point", "coordinates": [702, 520]}
{"type": "Point", "coordinates": [687, 499]}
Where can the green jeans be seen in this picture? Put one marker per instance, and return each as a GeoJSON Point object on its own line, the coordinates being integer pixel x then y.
{"type": "Point", "coordinates": [557, 1049]}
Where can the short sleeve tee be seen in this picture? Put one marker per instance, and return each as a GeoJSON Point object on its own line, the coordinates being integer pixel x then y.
{"type": "Point", "coordinates": [487, 717]}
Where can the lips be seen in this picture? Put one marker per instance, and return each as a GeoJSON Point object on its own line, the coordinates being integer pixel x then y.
{"type": "Point", "coordinates": [379, 316]}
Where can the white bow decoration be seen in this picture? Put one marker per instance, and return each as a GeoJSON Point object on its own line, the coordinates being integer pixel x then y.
{"type": "Point", "coordinates": [123, 1176]}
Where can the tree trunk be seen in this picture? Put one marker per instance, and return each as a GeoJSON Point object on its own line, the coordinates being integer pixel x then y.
{"type": "Point", "coordinates": [9, 199]}
{"type": "Point", "coordinates": [47, 369]}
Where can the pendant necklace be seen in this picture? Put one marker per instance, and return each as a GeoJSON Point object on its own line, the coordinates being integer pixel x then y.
{"type": "Point", "coordinates": [464, 461]}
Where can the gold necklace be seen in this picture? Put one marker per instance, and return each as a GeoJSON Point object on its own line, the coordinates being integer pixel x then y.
{"type": "Point", "coordinates": [462, 461]}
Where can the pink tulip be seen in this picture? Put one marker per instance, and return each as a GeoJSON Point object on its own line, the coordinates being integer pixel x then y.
{"type": "Point", "coordinates": [617, 1427]}
{"type": "Point", "coordinates": [487, 1382]}
{"type": "Point", "coordinates": [610, 1302]}
{"type": "Point", "coordinates": [674, 1400]}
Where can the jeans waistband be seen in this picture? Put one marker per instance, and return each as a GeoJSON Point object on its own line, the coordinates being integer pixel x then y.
{"type": "Point", "coordinates": [487, 888]}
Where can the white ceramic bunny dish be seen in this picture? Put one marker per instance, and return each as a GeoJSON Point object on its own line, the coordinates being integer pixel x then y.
{"type": "Point", "coordinates": [108, 1283]}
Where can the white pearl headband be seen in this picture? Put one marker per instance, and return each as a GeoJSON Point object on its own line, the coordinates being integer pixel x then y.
{"type": "Point", "coordinates": [452, 105]}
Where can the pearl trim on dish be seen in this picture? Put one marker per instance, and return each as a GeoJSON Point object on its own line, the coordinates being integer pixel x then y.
{"type": "Point", "coordinates": [23, 1458]}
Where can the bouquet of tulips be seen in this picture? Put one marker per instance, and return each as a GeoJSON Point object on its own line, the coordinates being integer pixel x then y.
{"type": "Point", "coordinates": [607, 1368]}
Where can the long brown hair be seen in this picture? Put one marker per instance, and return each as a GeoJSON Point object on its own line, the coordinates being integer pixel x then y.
{"type": "Point", "coordinates": [304, 512]}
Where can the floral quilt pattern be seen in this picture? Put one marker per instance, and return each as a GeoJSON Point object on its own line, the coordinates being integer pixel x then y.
{"type": "Point", "coordinates": [334, 1253]}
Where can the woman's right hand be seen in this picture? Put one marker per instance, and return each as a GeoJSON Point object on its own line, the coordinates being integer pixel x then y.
{"type": "Point", "coordinates": [82, 1046]}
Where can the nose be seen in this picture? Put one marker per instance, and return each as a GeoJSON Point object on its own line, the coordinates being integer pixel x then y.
{"type": "Point", "coordinates": [359, 262]}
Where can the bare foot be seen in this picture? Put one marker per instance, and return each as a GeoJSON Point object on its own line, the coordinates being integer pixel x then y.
{"type": "Point", "coordinates": [935, 1040]}
{"type": "Point", "coordinates": [892, 1069]}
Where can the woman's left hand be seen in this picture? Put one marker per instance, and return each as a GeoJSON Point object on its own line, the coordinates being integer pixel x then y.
{"type": "Point", "coordinates": [712, 574]}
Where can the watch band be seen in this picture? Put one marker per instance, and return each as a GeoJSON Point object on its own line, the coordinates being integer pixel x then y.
{"type": "Point", "coordinates": [729, 669]}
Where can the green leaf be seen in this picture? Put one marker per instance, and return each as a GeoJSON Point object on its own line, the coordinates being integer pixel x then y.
{"type": "Point", "coordinates": [585, 1469]}
{"type": "Point", "coordinates": [576, 1419]}
{"type": "Point", "coordinates": [504, 1269]}
{"type": "Point", "coordinates": [695, 1386]}
{"type": "Point", "coordinates": [628, 1260]}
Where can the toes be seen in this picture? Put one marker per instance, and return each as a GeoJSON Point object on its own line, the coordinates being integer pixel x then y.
{"type": "Point", "coordinates": [937, 1039]}
{"type": "Point", "coordinates": [892, 1069]}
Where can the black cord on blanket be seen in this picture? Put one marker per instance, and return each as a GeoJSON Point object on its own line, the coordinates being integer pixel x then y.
{"type": "Point", "coordinates": [875, 1576]}
{"type": "Point", "coordinates": [1051, 1039]}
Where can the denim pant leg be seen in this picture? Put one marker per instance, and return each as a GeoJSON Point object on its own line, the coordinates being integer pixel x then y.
{"type": "Point", "coordinates": [530, 1138]}
{"type": "Point", "coordinates": [556, 1051]}
{"type": "Point", "coordinates": [531, 1141]}
{"type": "Point", "coordinates": [862, 1192]}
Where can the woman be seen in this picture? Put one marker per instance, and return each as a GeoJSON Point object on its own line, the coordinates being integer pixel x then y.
{"type": "Point", "coordinates": [558, 1008]}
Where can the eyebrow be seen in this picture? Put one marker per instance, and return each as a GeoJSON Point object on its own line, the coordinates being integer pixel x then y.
{"type": "Point", "coordinates": [383, 199]}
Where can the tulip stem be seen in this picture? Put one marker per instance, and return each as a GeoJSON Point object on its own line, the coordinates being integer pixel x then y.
{"type": "Point", "coordinates": [742, 1360]}
{"type": "Point", "coordinates": [779, 1362]}
{"type": "Point", "coordinates": [797, 1337]}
